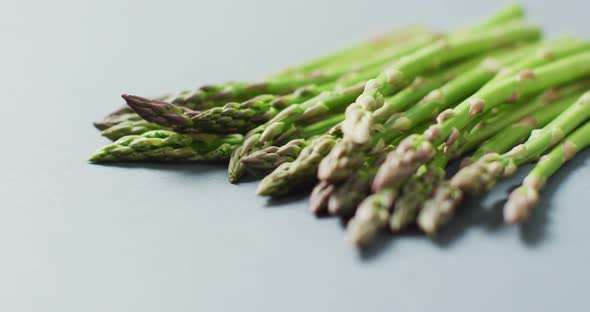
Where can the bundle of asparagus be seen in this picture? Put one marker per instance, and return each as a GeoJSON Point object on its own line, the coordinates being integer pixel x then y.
{"type": "Point", "coordinates": [376, 125]}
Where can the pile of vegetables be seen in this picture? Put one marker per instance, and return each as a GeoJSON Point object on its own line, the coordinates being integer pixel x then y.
{"type": "Point", "coordinates": [370, 130]}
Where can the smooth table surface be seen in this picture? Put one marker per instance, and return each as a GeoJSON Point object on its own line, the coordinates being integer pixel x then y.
{"type": "Point", "coordinates": [82, 237]}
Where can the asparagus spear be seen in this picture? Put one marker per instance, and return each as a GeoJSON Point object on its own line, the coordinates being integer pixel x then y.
{"type": "Point", "coordinates": [168, 146]}
{"type": "Point", "coordinates": [524, 199]}
{"type": "Point", "coordinates": [416, 150]}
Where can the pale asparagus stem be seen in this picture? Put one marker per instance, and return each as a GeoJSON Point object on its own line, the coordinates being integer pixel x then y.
{"type": "Point", "coordinates": [443, 52]}
{"type": "Point", "coordinates": [168, 146]}
{"type": "Point", "coordinates": [417, 149]}
{"type": "Point", "coordinates": [525, 198]}
{"type": "Point", "coordinates": [482, 175]}
{"type": "Point", "coordinates": [369, 48]}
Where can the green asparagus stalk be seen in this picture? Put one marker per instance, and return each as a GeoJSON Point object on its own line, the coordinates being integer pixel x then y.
{"type": "Point", "coordinates": [525, 198]}
{"type": "Point", "coordinates": [168, 146]}
{"type": "Point", "coordinates": [416, 150]}
{"type": "Point", "coordinates": [443, 52]}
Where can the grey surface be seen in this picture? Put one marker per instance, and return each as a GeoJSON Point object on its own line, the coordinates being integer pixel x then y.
{"type": "Point", "coordinates": [81, 237]}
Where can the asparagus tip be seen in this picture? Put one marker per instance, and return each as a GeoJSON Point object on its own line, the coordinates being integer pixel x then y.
{"type": "Point", "coordinates": [519, 204]}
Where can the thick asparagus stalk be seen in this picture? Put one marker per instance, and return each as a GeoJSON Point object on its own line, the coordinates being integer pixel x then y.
{"type": "Point", "coordinates": [525, 198]}
{"type": "Point", "coordinates": [443, 52]}
{"type": "Point", "coordinates": [168, 146]}
{"type": "Point", "coordinates": [416, 150]}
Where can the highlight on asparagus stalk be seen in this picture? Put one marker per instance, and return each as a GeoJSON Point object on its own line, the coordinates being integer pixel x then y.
{"type": "Point", "coordinates": [525, 198]}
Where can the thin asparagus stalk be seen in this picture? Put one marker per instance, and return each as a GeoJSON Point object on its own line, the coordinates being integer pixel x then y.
{"type": "Point", "coordinates": [524, 199]}
{"type": "Point", "coordinates": [416, 150]}
{"type": "Point", "coordinates": [168, 146]}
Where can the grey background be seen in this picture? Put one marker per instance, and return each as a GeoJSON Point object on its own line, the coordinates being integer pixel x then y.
{"type": "Point", "coordinates": [81, 237]}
